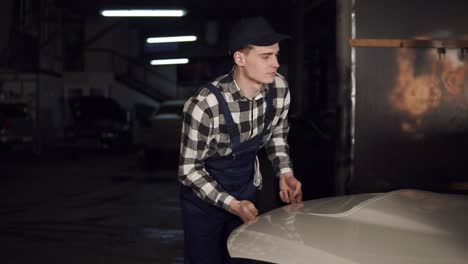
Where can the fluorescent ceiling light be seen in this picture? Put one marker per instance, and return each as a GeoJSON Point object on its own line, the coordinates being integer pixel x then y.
{"type": "Point", "coordinates": [171, 39]}
{"type": "Point", "coordinates": [170, 61]}
{"type": "Point", "coordinates": [144, 13]}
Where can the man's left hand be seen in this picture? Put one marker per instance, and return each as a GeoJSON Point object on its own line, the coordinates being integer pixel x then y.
{"type": "Point", "coordinates": [290, 188]}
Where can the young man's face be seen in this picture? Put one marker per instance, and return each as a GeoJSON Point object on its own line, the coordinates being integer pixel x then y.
{"type": "Point", "coordinates": [260, 63]}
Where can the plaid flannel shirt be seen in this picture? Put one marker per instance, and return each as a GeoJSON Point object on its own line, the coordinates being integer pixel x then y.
{"type": "Point", "coordinates": [204, 133]}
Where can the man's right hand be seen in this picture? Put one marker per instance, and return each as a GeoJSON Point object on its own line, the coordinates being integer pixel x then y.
{"type": "Point", "coordinates": [245, 209]}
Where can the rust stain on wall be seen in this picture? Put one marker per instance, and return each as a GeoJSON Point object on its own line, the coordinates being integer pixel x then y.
{"type": "Point", "coordinates": [439, 78]}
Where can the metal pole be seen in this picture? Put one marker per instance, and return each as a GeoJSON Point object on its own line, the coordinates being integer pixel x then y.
{"type": "Point", "coordinates": [38, 141]}
{"type": "Point", "coordinates": [344, 25]}
{"type": "Point", "coordinates": [297, 88]}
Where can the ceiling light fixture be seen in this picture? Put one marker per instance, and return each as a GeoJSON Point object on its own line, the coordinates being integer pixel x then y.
{"type": "Point", "coordinates": [170, 61]}
{"type": "Point", "coordinates": [144, 13]}
{"type": "Point", "coordinates": [171, 39]}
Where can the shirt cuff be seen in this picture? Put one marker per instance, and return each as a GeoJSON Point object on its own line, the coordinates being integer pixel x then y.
{"type": "Point", "coordinates": [227, 201]}
{"type": "Point", "coordinates": [284, 170]}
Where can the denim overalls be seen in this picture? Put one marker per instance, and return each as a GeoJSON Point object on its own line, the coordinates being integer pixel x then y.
{"type": "Point", "coordinates": [207, 227]}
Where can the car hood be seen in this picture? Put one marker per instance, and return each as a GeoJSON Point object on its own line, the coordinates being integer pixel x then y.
{"type": "Point", "coordinates": [405, 226]}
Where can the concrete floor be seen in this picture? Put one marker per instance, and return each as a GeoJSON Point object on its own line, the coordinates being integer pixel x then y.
{"type": "Point", "coordinates": [91, 209]}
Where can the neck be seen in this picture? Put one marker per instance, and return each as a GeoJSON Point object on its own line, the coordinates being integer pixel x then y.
{"type": "Point", "coordinates": [249, 88]}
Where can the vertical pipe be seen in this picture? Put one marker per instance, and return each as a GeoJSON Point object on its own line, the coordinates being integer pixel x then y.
{"type": "Point", "coordinates": [343, 62]}
{"type": "Point", "coordinates": [64, 97]}
{"type": "Point", "coordinates": [6, 23]}
{"type": "Point", "coordinates": [37, 127]}
{"type": "Point", "coordinates": [297, 86]}
{"type": "Point", "coordinates": [353, 94]}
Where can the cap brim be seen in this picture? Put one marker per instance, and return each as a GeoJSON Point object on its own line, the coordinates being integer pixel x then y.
{"type": "Point", "coordinates": [268, 40]}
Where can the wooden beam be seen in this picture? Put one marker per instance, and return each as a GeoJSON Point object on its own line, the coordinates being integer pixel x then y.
{"type": "Point", "coordinates": [409, 43]}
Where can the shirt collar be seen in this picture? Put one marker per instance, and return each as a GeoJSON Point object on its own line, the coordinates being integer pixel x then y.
{"type": "Point", "coordinates": [229, 85]}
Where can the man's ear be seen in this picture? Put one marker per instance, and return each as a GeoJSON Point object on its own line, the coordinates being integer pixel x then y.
{"type": "Point", "coordinates": [239, 58]}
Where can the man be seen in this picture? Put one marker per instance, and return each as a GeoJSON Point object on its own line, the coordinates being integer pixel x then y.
{"type": "Point", "coordinates": [225, 123]}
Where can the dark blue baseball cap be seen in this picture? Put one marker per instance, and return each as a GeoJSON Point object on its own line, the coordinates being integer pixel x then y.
{"type": "Point", "coordinates": [253, 31]}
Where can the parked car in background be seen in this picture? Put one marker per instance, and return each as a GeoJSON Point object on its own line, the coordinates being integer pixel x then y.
{"type": "Point", "coordinates": [404, 226]}
{"type": "Point", "coordinates": [98, 123]}
{"type": "Point", "coordinates": [161, 139]}
{"type": "Point", "coordinates": [16, 125]}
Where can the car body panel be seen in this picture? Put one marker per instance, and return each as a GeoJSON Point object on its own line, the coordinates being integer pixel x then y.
{"type": "Point", "coordinates": [404, 226]}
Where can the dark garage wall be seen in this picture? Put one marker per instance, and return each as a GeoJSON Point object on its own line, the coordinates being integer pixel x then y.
{"type": "Point", "coordinates": [411, 115]}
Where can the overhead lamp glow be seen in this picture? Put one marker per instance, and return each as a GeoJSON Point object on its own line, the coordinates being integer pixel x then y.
{"type": "Point", "coordinates": [171, 39]}
{"type": "Point", "coordinates": [170, 61]}
{"type": "Point", "coordinates": [144, 13]}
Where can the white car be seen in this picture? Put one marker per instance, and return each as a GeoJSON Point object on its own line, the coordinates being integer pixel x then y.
{"type": "Point", "coordinates": [399, 227]}
{"type": "Point", "coordinates": [165, 126]}
{"type": "Point", "coordinates": [161, 139]}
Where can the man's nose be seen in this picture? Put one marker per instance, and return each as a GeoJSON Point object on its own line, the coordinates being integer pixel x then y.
{"type": "Point", "coordinates": [275, 62]}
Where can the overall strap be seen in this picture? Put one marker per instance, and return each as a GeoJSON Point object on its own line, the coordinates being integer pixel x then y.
{"type": "Point", "coordinates": [224, 109]}
{"type": "Point", "coordinates": [270, 109]}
